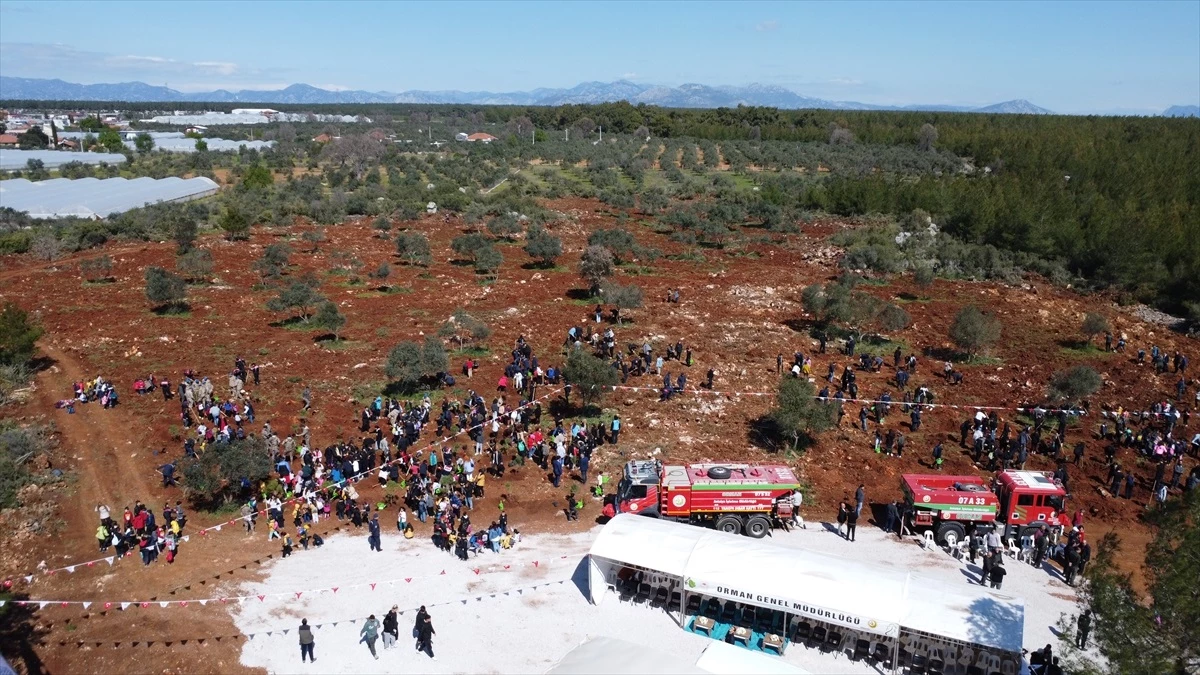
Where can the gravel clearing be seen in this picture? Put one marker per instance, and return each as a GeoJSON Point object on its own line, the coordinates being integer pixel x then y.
{"type": "Point", "coordinates": [523, 619]}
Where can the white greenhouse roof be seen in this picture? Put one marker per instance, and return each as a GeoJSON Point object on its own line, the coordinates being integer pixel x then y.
{"type": "Point", "coordinates": [216, 118]}
{"type": "Point", "coordinates": [97, 198]}
{"type": "Point", "coordinates": [15, 160]}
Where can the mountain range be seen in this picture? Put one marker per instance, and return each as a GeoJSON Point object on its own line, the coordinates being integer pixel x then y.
{"type": "Point", "coordinates": [683, 96]}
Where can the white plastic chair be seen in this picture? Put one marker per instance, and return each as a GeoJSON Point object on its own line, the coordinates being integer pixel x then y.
{"type": "Point", "coordinates": [1007, 667]}
{"type": "Point", "coordinates": [927, 542]}
{"type": "Point", "coordinates": [965, 657]}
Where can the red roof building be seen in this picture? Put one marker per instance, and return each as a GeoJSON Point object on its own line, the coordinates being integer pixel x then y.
{"type": "Point", "coordinates": [481, 137]}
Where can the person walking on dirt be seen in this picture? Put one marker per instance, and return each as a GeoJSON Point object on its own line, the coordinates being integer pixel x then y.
{"type": "Point", "coordinates": [306, 398]}
{"type": "Point", "coordinates": [370, 633]}
{"type": "Point", "coordinates": [616, 429]}
{"type": "Point", "coordinates": [937, 456]}
{"type": "Point", "coordinates": [306, 642]}
{"type": "Point", "coordinates": [391, 628]}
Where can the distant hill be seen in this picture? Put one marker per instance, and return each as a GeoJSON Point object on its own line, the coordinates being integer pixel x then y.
{"type": "Point", "coordinates": [683, 96]}
{"type": "Point", "coordinates": [1015, 107]}
{"type": "Point", "coordinates": [1182, 111]}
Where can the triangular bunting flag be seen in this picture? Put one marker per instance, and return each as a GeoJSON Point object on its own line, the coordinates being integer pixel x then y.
{"type": "Point", "coordinates": [163, 604]}
{"type": "Point", "coordinates": [335, 589]}
{"type": "Point", "coordinates": [298, 593]}
{"type": "Point", "coordinates": [86, 605]}
{"type": "Point", "coordinates": [71, 569]}
{"type": "Point", "coordinates": [230, 522]}
{"type": "Point", "coordinates": [29, 579]}
{"type": "Point", "coordinates": [91, 563]}
{"type": "Point", "coordinates": [251, 636]}
{"type": "Point", "coordinates": [124, 605]}
{"type": "Point", "coordinates": [476, 571]}
{"type": "Point", "coordinates": [109, 560]}
{"type": "Point", "coordinates": [42, 604]}
{"type": "Point", "coordinates": [443, 573]}
{"type": "Point", "coordinates": [262, 598]}
{"type": "Point", "coordinates": [203, 602]}
{"type": "Point", "coordinates": [408, 579]}
{"type": "Point", "coordinates": [3, 603]}
{"type": "Point", "coordinates": [535, 563]}
{"type": "Point", "coordinates": [285, 631]}
{"type": "Point", "coordinates": [186, 537]}
{"type": "Point", "coordinates": [183, 603]}
{"type": "Point", "coordinates": [464, 602]}
{"type": "Point", "coordinates": [64, 604]}
{"type": "Point", "coordinates": [217, 528]}
{"type": "Point", "coordinates": [372, 586]}
{"type": "Point", "coordinates": [270, 632]}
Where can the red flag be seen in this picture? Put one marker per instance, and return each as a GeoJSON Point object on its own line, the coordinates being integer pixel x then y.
{"type": "Point", "coordinates": [535, 563]}
{"type": "Point", "coordinates": [108, 605]}
{"type": "Point", "coordinates": [262, 598]}
{"type": "Point", "coordinates": [443, 572]}
{"type": "Point", "coordinates": [335, 589]}
{"type": "Point", "coordinates": [183, 603]}
{"type": "Point", "coordinates": [372, 586]}
{"type": "Point", "coordinates": [408, 579]}
{"type": "Point", "coordinates": [298, 595]}
{"type": "Point", "coordinates": [476, 570]}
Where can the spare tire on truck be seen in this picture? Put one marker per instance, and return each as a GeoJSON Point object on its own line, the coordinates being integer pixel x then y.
{"type": "Point", "coordinates": [719, 472]}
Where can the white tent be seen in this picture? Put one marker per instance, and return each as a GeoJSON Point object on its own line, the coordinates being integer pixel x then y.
{"type": "Point", "coordinates": [605, 655]}
{"type": "Point", "coordinates": [723, 658]}
{"type": "Point", "coordinates": [857, 595]}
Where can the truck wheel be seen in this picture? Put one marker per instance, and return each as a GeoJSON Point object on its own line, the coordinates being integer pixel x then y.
{"type": "Point", "coordinates": [757, 527]}
{"type": "Point", "coordinates": [719, 472]}
{"type": "Point", "coordinates": [729, 523]}
{"type": "Point", "coordinates": [1028, 531]}
{"type": "Point", "coordinates": [949, 534]}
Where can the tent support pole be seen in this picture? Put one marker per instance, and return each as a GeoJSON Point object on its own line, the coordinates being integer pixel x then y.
{"type": "Point", "coordinates": [896, 653]}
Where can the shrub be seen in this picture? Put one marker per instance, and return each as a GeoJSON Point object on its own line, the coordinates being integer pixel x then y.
{"type": "Point", "coordinates": [624, 297]}
{"type": "Point", "coordinates": [329, 318]}
{"type": "Point", "coordinates": [96, 269]}
{"type": "Point", "coordinates": [1093, 325]}
{"type": "Point", "coordinates": [195, 265]}
{"type": "Point", "coordinates": [619, 242]}
{"type": "Point", "coordinates": [488, 260]}
{"type": "Point", "coordinates": [164, 290]}
{"type": "Point", "coordinates": [274, 261]}
{"type": "Point", "coordinates": [236, 222]}
{"type": "Point", "coordinates": [973, 330]}
{"type": "Point", "coordinates": [595, 266]}
{"type": "Point", "coordinates": [542, 246]}
{"type": "Point", "coordinates": [44, 246]}
{"type": "Point", "coordinates": [505, 225]}
{"type": "Point", "coordinates": [18, 335]}
{"type": "Point", "coordinates": [413, 248]}
{"type": "Point", "coordinates": [1074, 384]}
{"type": "Point", "coordinates": [798, 413]}
{"type": "Point", "coordinates": [893, 318]}
{"type": "Point", "coordinates": [463, 327]}
{"type": "Point", "coordinates": [469, 245]}
{"type": "Point", "coordinates": [383, 225]}
{"type": "Point", "coordinates": [589, 376]}
{"type": "Point", "coordinates": [298, 296]}
{"type": "Point", "coordinates": [217, 475]}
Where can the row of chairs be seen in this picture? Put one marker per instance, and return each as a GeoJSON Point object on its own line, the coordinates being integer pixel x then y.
{"type": "Point", "coordinates": [933, 657]}
{"type": "Point", "coordinates": [631, 590]}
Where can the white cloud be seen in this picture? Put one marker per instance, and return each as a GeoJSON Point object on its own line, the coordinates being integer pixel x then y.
{"type": "Point", "coordinates": [72, 64]}
{"type": "Point", "coordinates": [767, 26]}
{"type": "Point", "coordinates": [629, 76]}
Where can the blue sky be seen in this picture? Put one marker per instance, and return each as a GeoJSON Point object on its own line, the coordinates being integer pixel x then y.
{"type": "Point", "coordinates": [1070, 57]}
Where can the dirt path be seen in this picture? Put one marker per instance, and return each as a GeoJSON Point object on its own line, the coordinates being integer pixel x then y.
{"type": "Point", "coordinates": [102, 443]}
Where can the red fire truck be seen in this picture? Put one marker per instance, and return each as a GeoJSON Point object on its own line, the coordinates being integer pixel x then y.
{"type": "Point", "coordinates": [733, 498]}
{"type": "Point", "coordinates": [954, 507]}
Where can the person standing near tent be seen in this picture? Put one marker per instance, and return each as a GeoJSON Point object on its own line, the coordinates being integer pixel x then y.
{"type": "Point", "coordinates": [370, 633]}
{"type": "Point", "coordinates": [997, 572]}
{"type": "Point", "coordinates": [852, 523]}
{"type": "Point", "coordinates": [306, 642]}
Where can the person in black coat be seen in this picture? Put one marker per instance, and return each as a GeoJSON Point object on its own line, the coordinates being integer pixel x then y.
{"type": "Point", "coordinates": [391, 628]}
{"type": "Point", "coordinates": [425, 633]}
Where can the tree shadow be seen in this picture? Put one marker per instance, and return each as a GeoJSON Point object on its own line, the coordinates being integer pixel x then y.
{"type": "Point", "coordinates": [998, 622]}
{"type": "Point", "coordinates": [764, 433]}
{"type": "Point", "coordinates": [945, 354]}
{"type": "Point", "coordinates": [172, 309]}
{"type": "Point", "coordinates": [327, 337]}
{"type": "Point", "coordinates": [580, 294]}
{"type": "Point", "coordinates": [20, 633]}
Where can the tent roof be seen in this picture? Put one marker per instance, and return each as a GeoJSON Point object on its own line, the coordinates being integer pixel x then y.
{"type": "Point", "coordinates": [869, 597]}
{"type": "Point", "coordinates": [605, 655]}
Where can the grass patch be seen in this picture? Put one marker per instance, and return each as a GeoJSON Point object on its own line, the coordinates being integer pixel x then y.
{"type": "Point", "coordinates": [639, 271]}
{"type": "Point", "coordinates": [342, 345]}
{"type": "Point", "coordinates": [99, 282]}
{"type": "Point", "coordinates": [471, 351]}
{"type": "Point", "coordinates": [417, 312]}
{"type": "Point", "coordinates": [1079, 349]}
{"type": "Point", "coordinates": [878, 346]}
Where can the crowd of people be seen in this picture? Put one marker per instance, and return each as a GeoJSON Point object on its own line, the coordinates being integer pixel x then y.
{"type": "Point", "coordinates": [140, 531]}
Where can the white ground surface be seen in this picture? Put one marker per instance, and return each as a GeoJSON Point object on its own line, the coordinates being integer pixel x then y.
{"type": "Point", "coordinates": [525, 618]}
